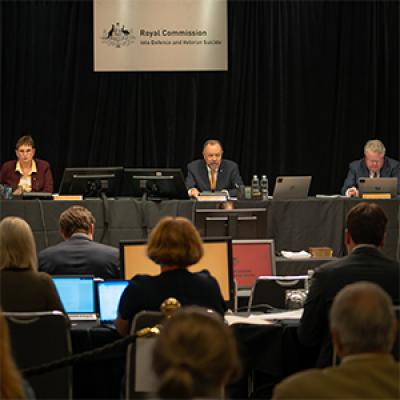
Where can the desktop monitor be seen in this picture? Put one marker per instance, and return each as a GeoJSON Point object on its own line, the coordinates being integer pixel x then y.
{"type": "Point", "coordinates": [154, 183]}
{"type": "Point", "coordinates": [91, 181]}
{"type": "Point", "coordinates": [217, 259]}
{"type": "Point", "coordinates": [251, 259]}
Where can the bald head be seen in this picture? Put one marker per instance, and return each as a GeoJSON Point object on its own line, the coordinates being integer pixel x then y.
{"type": "Point", "coordinates": [362, 320]}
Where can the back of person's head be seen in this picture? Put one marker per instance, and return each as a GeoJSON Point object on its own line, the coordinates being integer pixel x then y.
{"type": "Point", "coordinates": [26, 140]}
{"type": "Point", "coordinates": [362, 315]}
{"type": "Point", "coordinates": [76, 219]}
{"type": "Point", "coordinates": [366, 223]}
{"type": "Point", "coordinates": [375, 146]}
{"type": "Point", "coordinates": [17, 245]}
{"type": "Point", "coordinates": [175, 241]}
{"type": "Point", "coordinates": [195, 355]}
{"type": "Point", "coordinates": [10, 378]}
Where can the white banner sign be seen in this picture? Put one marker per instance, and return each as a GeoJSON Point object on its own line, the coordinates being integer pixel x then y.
{"type": "Point", "coordinates": [160, 35]}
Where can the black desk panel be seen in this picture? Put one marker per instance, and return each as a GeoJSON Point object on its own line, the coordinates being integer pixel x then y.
{"type": "Point", "coordinates": [293, 224]}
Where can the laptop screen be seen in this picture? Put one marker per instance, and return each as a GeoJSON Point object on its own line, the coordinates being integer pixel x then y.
{"type": "Point", "coordinates": [76, 293]}
{"type": "Point", "coordinates": [251, 259]}
{"type": "Point", "coordinates": [109, 293]}
{"type": "Point", "coordinates": [217, 259]}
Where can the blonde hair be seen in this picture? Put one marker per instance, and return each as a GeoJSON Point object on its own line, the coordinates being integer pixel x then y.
{"type": "Point", "coordinates": [375, 146]}
{"type": "Point", "coordinates": [17, 245]}
{"type": "Point", "coordinates": [195, 355]}
{"type": "Point", "coordinates": [175, 241]}
{"type": "Point", "coordinates": [11, 386]}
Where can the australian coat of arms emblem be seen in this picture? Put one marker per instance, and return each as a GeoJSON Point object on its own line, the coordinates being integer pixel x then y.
{"type": "Point", "coordinates": [117, 36]}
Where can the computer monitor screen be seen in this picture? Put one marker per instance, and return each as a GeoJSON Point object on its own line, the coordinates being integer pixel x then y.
{"type": "Point", "coordinates": [109, 294]}
{"type": "Point", "coordinates": [76, 293]}
{"type": "Point", "coordinates": [92, 181]}
{"type": "Point", "coordinates": [154, 183]}
{"type": "Point", "coordinates": [251, 259]}
{"type": "Point", "coordinates": [217, 259]}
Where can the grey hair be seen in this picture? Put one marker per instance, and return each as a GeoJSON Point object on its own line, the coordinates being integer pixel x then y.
{"type": "Point", "coordinates": [376, 146]}
{"type": "Point", "coordinates": [363, 316]}
{"type": "Point", "coordinates": [212, 142]}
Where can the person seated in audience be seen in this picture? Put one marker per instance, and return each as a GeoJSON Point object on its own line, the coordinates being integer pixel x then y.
{"type": "Point", "coordinates": [174, 244]}
{"type": "Point", "coordinates": [12, 385]}
{"type": "Point", "coordinates": [374, 165]}
{"type": "Point", "coordinates": [364, 238]}
{"type": "Point", "coordinates": [195, 356]}
{"type": "Point", "coordinates": [26, 174]}
{"type": "Point", "coordinates": [363, 328]}
{"type": "Point", "coordinates": [22, 287]}
{"type": "Point", "coordinates": [213, 173]}
{"type": "Point", "coordinates": [79, 254]}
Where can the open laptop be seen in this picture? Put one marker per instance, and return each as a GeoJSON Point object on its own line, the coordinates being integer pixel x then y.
{"type": "Point", "coordinates": [378, 185]}
{"type": "Point", "coordinates": [108, 294]}
{"type": "Point", "coordinates": [291, 187]}
{"type": "Point", "coordinates": [251, 259]}
{"type": "Point", "coordinates": [77, 296]}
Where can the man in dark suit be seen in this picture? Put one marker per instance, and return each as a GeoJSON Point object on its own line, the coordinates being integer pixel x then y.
{"type": "Point", "coordinates": [78, 254]}
{"type": "Point", "coordinates": [374, 165]}
{"type": "Point", "coordinates": [213, 173]}
{"type": "Point", "coordinates": [364, 236]}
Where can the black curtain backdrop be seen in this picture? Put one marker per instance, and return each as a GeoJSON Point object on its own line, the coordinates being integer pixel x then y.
{"type": "Point", "coordinates": [308, 83]}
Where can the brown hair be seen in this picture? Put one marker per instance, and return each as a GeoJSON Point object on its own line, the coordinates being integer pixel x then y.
{"type": "Point", "coordinates": [366, 223]}
{"type": "Point", "coordinates": [17, 245]}
{"type": "Point", "coordinates": [175, 241]}
{"type": "Point", "coordinates": [10, 379]}
{"type": "Point", "coordinates": [76, 219]}
{"type": "Point", "coordinates": [25, 140]}
{"type": "Point", "coordinates": [212, 142]}
{"type": "Point", "coordinates": [195, 355]}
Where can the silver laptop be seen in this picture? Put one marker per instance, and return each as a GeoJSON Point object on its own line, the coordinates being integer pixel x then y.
{"type": "Point", "coordinates": [378, 185]}
{"type": "Point", "coordinates": [291, 187]}
{"type": "Point", "coordinates": [77, 296]}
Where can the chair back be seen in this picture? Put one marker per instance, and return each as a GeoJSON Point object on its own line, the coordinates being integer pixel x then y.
{"type": "Point", "coordinates": [140, 377]}
{"type": "Point", "coordinates": [38, 338]}
{"type": "Point", "coordinates": [278, 292]}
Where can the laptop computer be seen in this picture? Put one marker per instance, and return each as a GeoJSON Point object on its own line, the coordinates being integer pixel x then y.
{"type": "Point", "coordinates": [378, 185]}
{"type": "Point", "coordinates": [108, 294]}
{"type": "Point", "coordinates": [77, 296]}
{"type": "Point", "coordinates": [291, 187]}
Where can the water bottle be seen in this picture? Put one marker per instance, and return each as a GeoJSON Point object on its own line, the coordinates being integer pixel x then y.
{"type": "Point", "coordinates": [255, 187]}
{"type": "Point", "coordinates": [264, 187]}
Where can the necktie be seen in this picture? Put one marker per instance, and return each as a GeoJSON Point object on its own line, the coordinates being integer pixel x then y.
{"type": "Point", "coordinates": [213, 180]}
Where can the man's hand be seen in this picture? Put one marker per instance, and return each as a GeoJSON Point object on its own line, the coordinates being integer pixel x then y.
{"type": "Point", "coordinates": [352, 192]}
{"type": "Point", "coordinates": [194, 193]}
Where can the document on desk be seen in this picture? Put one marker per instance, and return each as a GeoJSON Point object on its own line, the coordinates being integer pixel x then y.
{"type": "Point", "coordinates": [279, 316]}
{"type": "Point", "coordinates": [232, 319]}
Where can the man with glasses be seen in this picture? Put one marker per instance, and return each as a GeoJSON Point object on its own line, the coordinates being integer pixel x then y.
{"type": "Point", "coordinates": [374, 165]}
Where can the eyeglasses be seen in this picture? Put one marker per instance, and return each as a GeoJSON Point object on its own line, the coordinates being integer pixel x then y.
{"type": "Point", "coordinates": [374, 161]}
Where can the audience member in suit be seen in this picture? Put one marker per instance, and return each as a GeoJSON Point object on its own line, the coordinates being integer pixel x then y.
{"type": "Point", "coordinates": [78, 254]}
{"type": "Point", "coordinates": [174, 244]}
{"type": "Point", "coordinates": [26, 174]}
{"type": "Point", "coordinates": [22, 287]}
{"type": "Point", "coordinates": [213, 173]}
{"type": "Point", "coordinates": [374, 165]}
{"type": "Point", "coordinates": [363, 329]}
{"type": "Point", "coordinates": [12, 385]}
{"type": "Point", "coordinates": [195, 356]}
{"type": "Point", "coordinates": [364, 237]}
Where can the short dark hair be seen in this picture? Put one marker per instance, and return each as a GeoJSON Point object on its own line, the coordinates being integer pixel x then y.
{"type": "Point", "coordinates": [175, 241]}
{"type": "Point", "coordinates": [366, 223]}
{"type": "Point", "coordinates": [76, 219]}
{"type": "Point", "coordinates": [212, 142]}
{"type": "Point", "coordinates": [26, 140]}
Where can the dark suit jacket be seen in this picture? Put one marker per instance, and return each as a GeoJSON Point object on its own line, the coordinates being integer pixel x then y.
{"type": "Point", "coordinates": [363, 264]}
{"type": "Point", "coordinates": [358, 169]}
{"type": "Point", "coordinates": [80, 256]}
{"type": "Point", "coordinates": [42, 180]}
{"type": "Point", "coordinates": [228, 176]}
